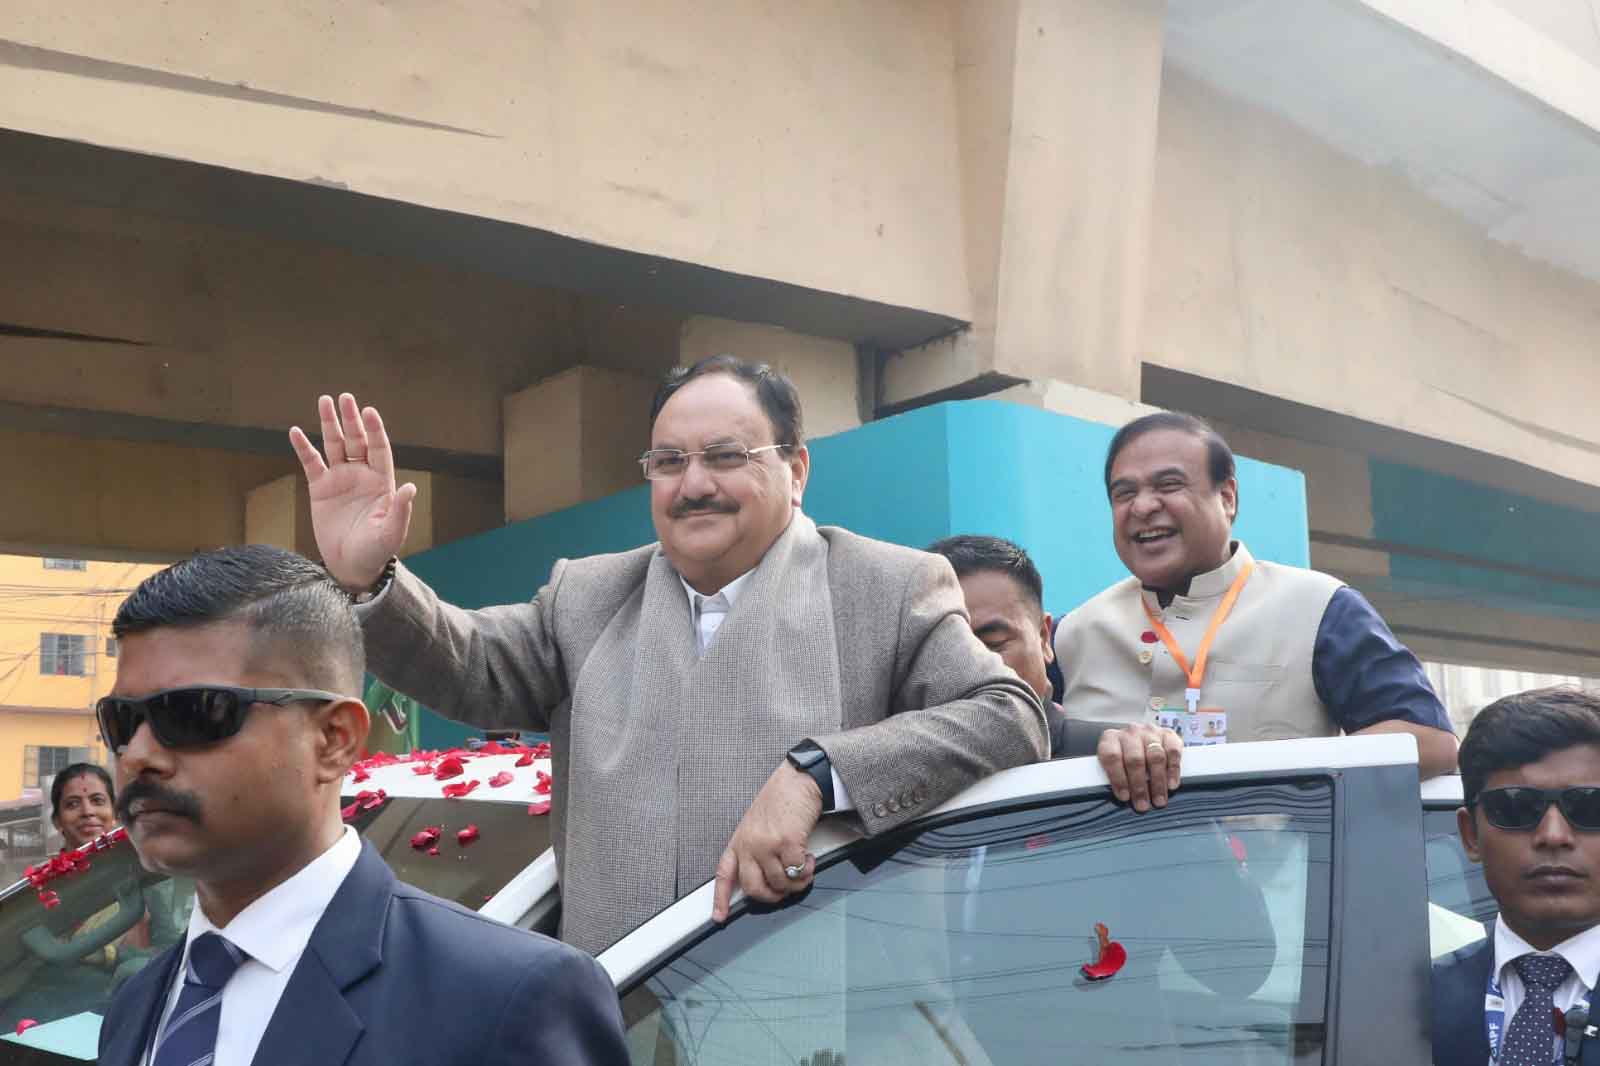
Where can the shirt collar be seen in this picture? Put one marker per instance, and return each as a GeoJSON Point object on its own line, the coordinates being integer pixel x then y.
{"type": "Point", "coordinates": [1212, 584]}
{"type": "Point", "coordinates": [1582, 952]}
{"type": "Point", "coordinates": [729, 592]}
{"type": "Point", "coordinates": [275, 929]}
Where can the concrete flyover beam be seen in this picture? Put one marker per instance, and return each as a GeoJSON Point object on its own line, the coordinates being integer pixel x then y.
{"type": "Point", "coordinates": [744, 153]}
{"type": "Point", "coordinates": [1058, 114]}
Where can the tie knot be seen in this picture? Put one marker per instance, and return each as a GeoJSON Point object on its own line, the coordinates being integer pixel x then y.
{"type": "Point", "coordinates": [1543, 973]}
{"type": "Point", "coordinates": [212, 961]}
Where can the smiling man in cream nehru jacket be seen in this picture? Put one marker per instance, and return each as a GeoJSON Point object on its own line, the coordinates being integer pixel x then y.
{"type": "Point", "coordinates": [1205, 644]}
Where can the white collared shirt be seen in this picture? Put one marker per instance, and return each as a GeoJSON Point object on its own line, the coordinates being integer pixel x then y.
{"type": "Point", "coordinates": [707, 613]}
{"type": "Point", "coordinates": [1582, 953]}
{"type": "Point", "coordinates": [273, 931]}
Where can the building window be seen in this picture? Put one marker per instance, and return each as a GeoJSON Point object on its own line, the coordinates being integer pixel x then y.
{"type": "Point", "coordinates": [65, 564]}
{"type": "Point", "coordinates": [40, 763]}
{"type": "Point", "coordinates": [111, 647]}
{"type": "Point", "coordinates": [63, 653]}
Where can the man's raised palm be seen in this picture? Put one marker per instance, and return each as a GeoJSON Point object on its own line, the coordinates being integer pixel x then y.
{"type": "Point", "coordinates": [358, 516]}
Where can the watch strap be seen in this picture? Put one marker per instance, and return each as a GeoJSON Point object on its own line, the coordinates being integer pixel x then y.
{"type": "Point", "coordinates": [809, 758]}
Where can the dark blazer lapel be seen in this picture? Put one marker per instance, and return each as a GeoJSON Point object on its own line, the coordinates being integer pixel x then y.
{"type": "Point", "coordinates": [1458, 986]}
{"type": "Point", "coordinates": [138, 1011]}
{"type": "Point", "coordinates": [314, 1025]}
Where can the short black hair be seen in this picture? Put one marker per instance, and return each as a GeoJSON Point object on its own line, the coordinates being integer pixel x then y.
{"type": "Point", "coordinates": [1219, 457]}
{"type": "Point", "coordinates": [1523, 728]}
{"type": "Point", "coordinates": [776, 393]}
{"type": "Point", "coordinates": [72, 773]}
{"type": "Point", "coordinates": [286, 598]}
{"type": "Point", "coordinates": [971, 554]}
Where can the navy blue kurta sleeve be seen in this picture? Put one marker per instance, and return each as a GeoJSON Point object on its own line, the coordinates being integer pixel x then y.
{"type": "Point", "coordinates": [1364, 675]}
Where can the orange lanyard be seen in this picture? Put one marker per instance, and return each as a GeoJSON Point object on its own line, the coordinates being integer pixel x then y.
{"type": "Point", "coordinates": [1197, 673]}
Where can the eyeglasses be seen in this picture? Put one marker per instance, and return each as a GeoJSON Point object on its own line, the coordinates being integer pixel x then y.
{"type": "Point", "coordinates": [192, 717]}
{"type": "Point", "coordinates": [661, 463]}
{"type": "Point", "coordinates": [1521, 808]}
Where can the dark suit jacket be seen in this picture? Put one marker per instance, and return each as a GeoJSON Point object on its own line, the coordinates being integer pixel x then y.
{"type": "Point", "coordinates": [393, 976]}
{"type": "Point", "coordinates": [1459, 980]}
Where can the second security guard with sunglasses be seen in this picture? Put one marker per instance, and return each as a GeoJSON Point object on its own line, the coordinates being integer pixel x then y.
{"type": "Point", "coordinates": [1530, 770]}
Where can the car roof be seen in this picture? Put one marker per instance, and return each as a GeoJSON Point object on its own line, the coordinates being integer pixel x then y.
{"type": "Point", "coordinates": [399, 777]}
{"type": "Point", "coordinates": [1220, 762]}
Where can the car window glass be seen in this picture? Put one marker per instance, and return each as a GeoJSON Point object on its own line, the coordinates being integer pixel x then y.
{"type": "Point", "coordinates": [59, 966]}
{"type": "Point", "coordinates": [963, 944]}
{"type": "Point", "coordinates": [1459, 900]}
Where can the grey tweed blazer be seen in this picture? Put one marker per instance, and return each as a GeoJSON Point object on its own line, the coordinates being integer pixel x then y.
{"type": "Point", "coordinates": [860, 645]}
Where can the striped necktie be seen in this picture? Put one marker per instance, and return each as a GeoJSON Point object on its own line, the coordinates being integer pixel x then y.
{"type": "Point", "coordinates": [190, 1035]}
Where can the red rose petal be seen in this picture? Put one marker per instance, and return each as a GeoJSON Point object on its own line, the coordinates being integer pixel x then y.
{"type": "Point", "coordinates": [50, 900]}
{"type": "Point", "coordinates": [427, 838]}
{"type": "Point", "coordinates": [1148, 637]}
{"type": "Point", "coordinates": [1237, 847]}
{"type": "Point", "coordinates": [541, 750]}
{"type": "Point", "coordinates": [1112, 956]}
{"type": "Point", "coordinates": [433, 851]}
{"type": "Point", "coordinates": [459, 788]}
{"type": "Point", "coordinates": [539, 807]}
{"type": "Point", "coordinates": [422, 768]}
{"type": "Point", "coordinates": [449, 766]}
{"type": "Point", "coordinates": [359, 774]}
{"type": "Point", "coordinates": [467, 835]}
{"type": "Point", "coordinates": [504, 777]}
{"type": "Point", "coordinates": [24, 1025]}
{"type": "Point", "coordinates": [372, 800]}
{"type": "Point", "coordinates": [526, 760]}
{"type": "Point", "coordinates": [349, 812]}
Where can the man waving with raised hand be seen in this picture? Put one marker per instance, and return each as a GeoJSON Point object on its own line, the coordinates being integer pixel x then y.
{"type": "Point", "coordinates": [711, 695]}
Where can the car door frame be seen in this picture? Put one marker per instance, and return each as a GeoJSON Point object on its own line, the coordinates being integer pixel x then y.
{"type": "Point", "coordinates": [1379, 969]}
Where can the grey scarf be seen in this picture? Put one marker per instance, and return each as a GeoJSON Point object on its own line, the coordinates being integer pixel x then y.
{"type": "Point", "coordinates": [674, 747]}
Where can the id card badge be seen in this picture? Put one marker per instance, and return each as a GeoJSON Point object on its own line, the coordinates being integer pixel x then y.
{"type": "Point", "coordinates": [1171, 719]}
{"type": "Point", "coordinates": [1211, 727]}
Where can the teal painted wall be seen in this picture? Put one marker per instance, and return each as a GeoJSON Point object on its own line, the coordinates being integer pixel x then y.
{"type": "Point", "coordinates": [1436, 514]}
{"type": "Point", "coordinates": [974, 466]}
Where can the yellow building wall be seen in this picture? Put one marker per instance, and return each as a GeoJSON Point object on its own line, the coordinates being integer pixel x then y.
{"type": "Point", "coordinates": [54, 709]}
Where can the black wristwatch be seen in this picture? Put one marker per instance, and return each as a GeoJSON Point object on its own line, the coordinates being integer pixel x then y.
{"type": "Point", "coordinates": [808, 758]}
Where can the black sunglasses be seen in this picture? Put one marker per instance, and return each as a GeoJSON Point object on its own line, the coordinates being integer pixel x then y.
{"type": "Point", "coordinates": [192, 717]}
{"type": "Point", "coordinates": [1521, 807]}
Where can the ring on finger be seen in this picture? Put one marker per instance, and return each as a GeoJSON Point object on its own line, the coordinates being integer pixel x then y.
{"type": "Point", "coordinates": [794, 872]}
{"type": "Point", "coordinates": [1155, 744]}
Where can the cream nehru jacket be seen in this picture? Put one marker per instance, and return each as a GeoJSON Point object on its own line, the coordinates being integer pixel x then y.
{"type": "Point", "coordinates": [1259, 669]}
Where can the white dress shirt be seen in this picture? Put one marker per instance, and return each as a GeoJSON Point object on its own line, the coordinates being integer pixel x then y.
{"type": "Point", "coordinates": [273, 931]}
{"type": "Point", "coordinates": [707, 613]}
{"type": "Point", "coordinates": [1582, 953]}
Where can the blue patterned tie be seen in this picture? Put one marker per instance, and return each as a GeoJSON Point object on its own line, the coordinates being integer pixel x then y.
{"type": "Point", "coordinates": [1531, 1037]}
{"type": "Point", "coordinates": [190, 1036]}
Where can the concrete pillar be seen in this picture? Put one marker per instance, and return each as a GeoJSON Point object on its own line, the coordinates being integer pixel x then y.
{"type": "Point", "coordinates": [1058, 105]}
{"type": "Point", "coordinates": [574, 437]}
{"type": "Point", "coordinates": [449, 508]}
{"type": "Point", "coordinates": [279, 513]}
{"type": "Point", "coordinates": [824, 371]}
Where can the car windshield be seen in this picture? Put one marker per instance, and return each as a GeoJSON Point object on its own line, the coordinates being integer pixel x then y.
{"type": "Point", "coordinates": [966, 942]}
{"type": "Point", "coordinates": [60, 965]}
